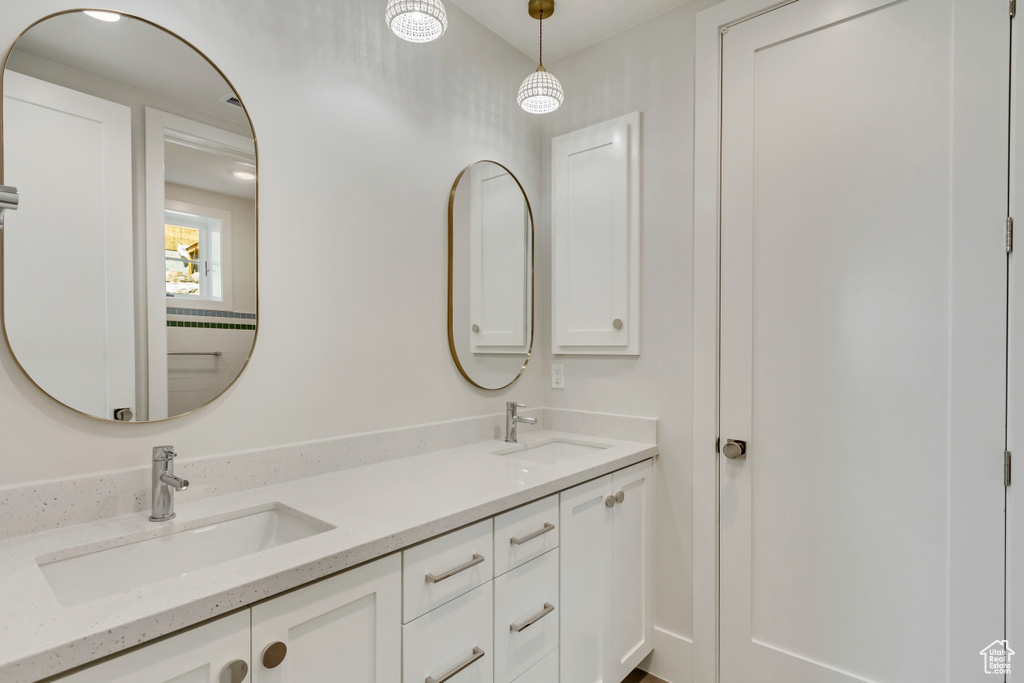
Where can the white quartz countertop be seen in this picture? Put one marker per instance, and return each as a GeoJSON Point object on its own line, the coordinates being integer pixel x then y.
{"type": "Point", "coordinates": [376, 509]}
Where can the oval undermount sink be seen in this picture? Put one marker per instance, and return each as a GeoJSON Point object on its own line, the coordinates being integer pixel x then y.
{"type": "Point", "coordinates": [81, 574]}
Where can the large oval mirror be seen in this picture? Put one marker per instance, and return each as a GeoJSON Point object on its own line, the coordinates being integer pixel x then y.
{"type": "Point", "coordinates": [129, 267]}
{"type": "Point", "coordinates": [490, 275]}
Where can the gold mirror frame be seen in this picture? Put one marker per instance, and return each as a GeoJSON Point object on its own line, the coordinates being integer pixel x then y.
{"type": "Point", "coordinates": [3, 284]}
{"type": "Point", "coordinates": [451, 276]}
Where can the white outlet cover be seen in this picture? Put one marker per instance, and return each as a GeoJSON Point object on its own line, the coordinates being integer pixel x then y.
{"type": "Point", "coordinates": [557, 376]}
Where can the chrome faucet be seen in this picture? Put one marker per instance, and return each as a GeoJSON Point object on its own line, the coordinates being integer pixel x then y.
{"type": "Point", "coordinates": [512, 420]}
{"type": "Point", "coordinates": [165, 483]}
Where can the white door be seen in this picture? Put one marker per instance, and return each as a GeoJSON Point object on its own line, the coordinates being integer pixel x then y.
{"type": "Point", "coordinates": [345, 628]}
{"type": "Point", "coordinates": [863, 295]}
{"type": "Point", "coordinates": [70, 244]}
{"type": "Point", "coordinates": [216, 652]}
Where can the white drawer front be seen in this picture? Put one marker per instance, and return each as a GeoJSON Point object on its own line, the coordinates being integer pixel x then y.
{"type": "Point", "coordinates": [525, 533]}
{"type": "Point", "coordinates": [442, 641]}
{"type": "Point", "coordinates": [544, 671]}
{"type": "Point", "coordinates": [446, 567]}
{"type": "Point", "coordinates": [525, 616]}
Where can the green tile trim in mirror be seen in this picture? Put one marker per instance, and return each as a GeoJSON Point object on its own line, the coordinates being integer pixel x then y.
{"type": "Point", "coordinates": [136, 165]}
{"type": "Point", "coordinates": [490, 275]}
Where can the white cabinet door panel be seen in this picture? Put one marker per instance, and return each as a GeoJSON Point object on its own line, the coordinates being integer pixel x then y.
{"type": "Point", "coordinates": [585, 574]}
{"type": "Point", "coordinates": [346, 627]}
{"type": "Point", "coordinates": [632, 634]}
{"type": "Point", "coordinates": [195, 656]}
{"type": "Point", "coordinates": [596, 238]}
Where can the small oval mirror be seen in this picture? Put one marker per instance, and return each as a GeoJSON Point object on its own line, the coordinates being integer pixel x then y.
{"type": "Point", "coordinates": [129, 268]}
{"type": "Point", "coordinates": [490, 275]}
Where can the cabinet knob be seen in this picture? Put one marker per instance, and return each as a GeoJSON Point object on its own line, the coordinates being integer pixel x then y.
{"type": "Point", "coordinates": [475, 328]}
{"type": "Point", "coordinates": [609, 502]}
{"type": "Point", "coordinates": [234, 672]}
{"type": "Point", "coordinates": [617, 323]}
{"type": "Point", "coordinates": [274, 654]}
{"type": "Point", "coordinates": [620, 496]}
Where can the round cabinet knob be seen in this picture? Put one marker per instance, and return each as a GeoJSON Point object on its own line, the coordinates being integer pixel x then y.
{"type": "Point", "coordinates": [620, 496]}
{"type": "Point", "coordinates": [609, 502]}
{"type": "Point", "coordinates": [617, 323]}
{"type": "Point", "coordinates": [475, 328]}
{"type": "Point", "coordinates": [234, 672]}
{"type": "Point", "coordinates": [734, 448]}
{"type": "Point", "coordinates": [274, 654]}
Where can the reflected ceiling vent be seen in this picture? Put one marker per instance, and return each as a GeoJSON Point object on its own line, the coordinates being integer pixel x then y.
{"type": "Point", "coordinates": [231, 99]}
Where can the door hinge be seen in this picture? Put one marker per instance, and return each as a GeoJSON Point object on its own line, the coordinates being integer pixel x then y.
{"type": "Point", "coordinates": [1009, 234]}
{"type": "Point", "coordinates": [1006, 468]}
{"type": "Point", "coordinates": [718, 444]}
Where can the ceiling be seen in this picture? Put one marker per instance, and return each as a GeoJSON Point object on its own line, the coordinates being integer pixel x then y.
{"type": "Point", "coordinates": [574, 24]}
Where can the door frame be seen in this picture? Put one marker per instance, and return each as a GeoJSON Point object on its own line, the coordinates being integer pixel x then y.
{"type": "Point", "coordinates": [706, 330]}
{"type": "Point", "coordinates": [706, 257]}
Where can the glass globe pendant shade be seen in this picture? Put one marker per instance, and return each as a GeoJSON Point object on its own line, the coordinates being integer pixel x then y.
{"type": "Point", "coordinates": [418, 21]}
{"type": "Point", "coordinates": [540, 92]}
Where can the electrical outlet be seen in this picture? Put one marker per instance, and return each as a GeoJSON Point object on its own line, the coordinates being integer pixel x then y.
{"type": "Point", "coordinates": [557, 376]}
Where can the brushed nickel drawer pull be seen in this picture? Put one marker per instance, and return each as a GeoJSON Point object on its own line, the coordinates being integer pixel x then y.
{"type": "Point", "coordinates": [548, 526]}
{"type": "Point", "coordinates": [477, 654]}
{"type": "Point", "coordinates": [477, 559]}
{"type": "Point", "coordinates": [546, 610]}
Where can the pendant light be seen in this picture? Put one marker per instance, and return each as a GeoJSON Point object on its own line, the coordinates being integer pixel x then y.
{"type": "Point", "coordinates": [418, 21]}
{"type": "Point", "coordinates": [541, 92]}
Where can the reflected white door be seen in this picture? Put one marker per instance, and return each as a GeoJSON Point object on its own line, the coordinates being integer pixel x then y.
{"type": "Point", "coordinates": [68, 247]}
{"type": "Point", "coordinates": [864, 177]}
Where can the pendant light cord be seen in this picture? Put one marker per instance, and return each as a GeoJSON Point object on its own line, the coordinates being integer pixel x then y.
{"type": "Point", "coordinates": [541, 58]}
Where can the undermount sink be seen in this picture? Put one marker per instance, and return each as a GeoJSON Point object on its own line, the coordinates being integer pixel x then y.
{"type": "Point", "coordinates": [79, 575]}
{"type": "Point", "coordinates": [551, 450]}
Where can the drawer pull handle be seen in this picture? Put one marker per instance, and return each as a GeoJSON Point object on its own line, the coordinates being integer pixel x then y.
{"type": "Point", "coordinates": [548, 526]}
{"type": "Point", "coordinates": [547, 609]}
{"type": "Point", "coordinates": [477, 654]}
{"type": "Point", "coordinates": [477, 559]}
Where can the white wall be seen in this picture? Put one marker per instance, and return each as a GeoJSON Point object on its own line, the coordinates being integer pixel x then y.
{"type": "Point", "coordinates": [650, 68]}
{"type": "Point", "coordinates": [360, 136]}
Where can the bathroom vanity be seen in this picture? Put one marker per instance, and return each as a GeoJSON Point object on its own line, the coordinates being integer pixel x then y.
{"type": "Point", "coordinates": [484, 563]}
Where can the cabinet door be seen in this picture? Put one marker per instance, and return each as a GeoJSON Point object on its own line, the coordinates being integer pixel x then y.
{"type": "Point", "coordinates": [584, 575]}
{"type": "Point", "coordinates": [631, 630]}
{"type": "Point", "coordinates": [347, 627]}
{"type": "Point", "coordinates": [206, 654]}
{"type": "Point", "coordinates": [595, 238]}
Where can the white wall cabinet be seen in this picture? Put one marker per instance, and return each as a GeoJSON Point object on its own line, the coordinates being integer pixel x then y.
{"type": "Point", "coordinates": [595, 239]}
{"type": "Point", "coordinates": [606, 576]}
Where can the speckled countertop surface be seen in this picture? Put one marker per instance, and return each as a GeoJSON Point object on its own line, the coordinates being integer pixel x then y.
{"type": "Point", "coordinates": [376, 509]}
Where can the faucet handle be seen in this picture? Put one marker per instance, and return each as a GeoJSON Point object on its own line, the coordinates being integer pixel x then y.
{"type": "Point", "coordinates": [512, 405]}
{"type": "Point", "coordinates": [163, 453]}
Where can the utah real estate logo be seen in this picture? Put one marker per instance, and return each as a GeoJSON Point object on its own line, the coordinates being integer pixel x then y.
{"type": "Point", "coordinates": [997, 657]}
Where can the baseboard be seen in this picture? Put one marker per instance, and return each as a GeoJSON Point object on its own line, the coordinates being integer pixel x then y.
{"type": "Point", "coordinates": [672, 659]}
